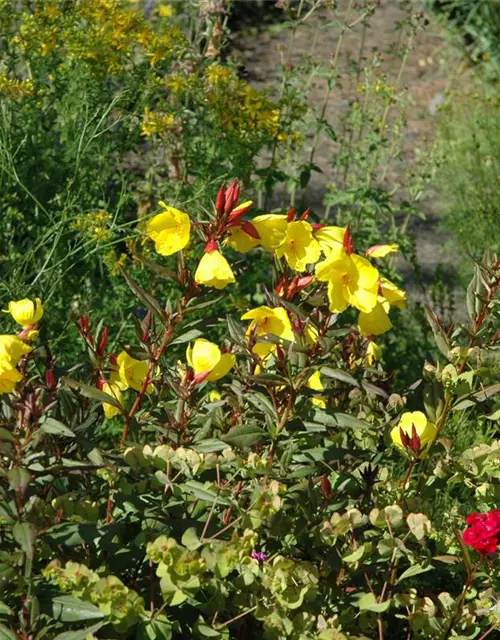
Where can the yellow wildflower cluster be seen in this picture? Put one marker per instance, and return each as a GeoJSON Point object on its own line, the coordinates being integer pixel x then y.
{"type": "Point", "coordinates": [28, 314]}
{"type": "Point", "coordinates": [239, 108]}
{"type": "Point", "coordinates": [14, 88]}
{"type": "Point", "coordinates": [95, 225]}
{"type": "Point", "coordinates": [155, 122]}
{"type": "Point", "coordinates": [103, 33]}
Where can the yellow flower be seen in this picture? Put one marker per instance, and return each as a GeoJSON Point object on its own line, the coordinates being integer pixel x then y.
{"type": "Point", "coordinates": [267, 321]}
{"type": "Point", "coordinates": [214, 396]}
{"type": "Point", "coordinates": [351, 280]}
{"type": "Point", "coordinates": [26, 312]}
{"type": "Point", "coordinates": [314, 383]}
{"type": "Point", "coordinates": [271, 229]}
{"type": "Point", "coordinates": [12, 349]}
{"type": "Point", "coordinates": [207, 360]}
{"type": "Point", "coordinates": [392, 294]}
{"type": "Point", "coordinates": [330, 238]}
{"type": "Point", "coordinates": [132, 372]}
{"type": "Point", "coordinates": [9, 377]}
{"type": "Point", "coordinates": [240, 241]}
{"type": "Point", "coordinates": [414, 434]}
{"type": "Point", "coordinates": [373, 353]}
{"type": "Point", "coordinates": [377, 321]}
{"type": "Point", "coordinates": [214, 270]}
{"type": "Point", "coordinates": [115, 390]}
{"type": "Point", "coordinates": [170, 230]}
{"type": "Point", "coordinates": [381, 250]}
{"type": "Point", "coordinates": [299, 247]}
{"type": "Point", "coordinates": [165, 10]}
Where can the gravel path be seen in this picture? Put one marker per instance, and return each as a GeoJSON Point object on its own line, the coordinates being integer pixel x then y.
{"type": "Point", "coordinates": [425, 76]}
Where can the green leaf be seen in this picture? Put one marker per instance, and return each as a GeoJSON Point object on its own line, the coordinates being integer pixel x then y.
{"type": "Point", "coordinates": [415, 570]}
{"type": "Point", "coordinates": [56, 428]}
{"type": "Point", "coordinates": [19, 479]}
{"type": "Point", "coordinates": [71, 609]}
{"type": "Point", "coordinates": [187, 337]}
{"type": "Point", "coordinates": [81, 634]}
{"type": "Point", "coordinates": [190, 539]}
{"type": "Point", "coordinates": [92, 393]}
{"type": "Point", "coordinates": [25, 535]}
{"type": "Point", "coordinates": [355, 555]}
{"type": "Point", "coordinates": [210, 445]}
{"type": "Point", "coordinates": [245, 436]}
{"type": "Point", "coordinates": [146, 298]}
{"type": "Point", "coordinates": [5, 610]}
{"type": "Point", "coordinates": [339, 374]}
{"type": "Point", "coordinates": [263, 403]}
{"type": "Point", "coordinates": [6, 633]}
{"type": "Point", "coordinates": [200, 491]}
{"type": "Point", "coordinates": [368, 602]}
{"type": "Point", "coordinates": [440, 336]}
{"type": "Point", "coordinates": [6, 436]}
{"type": "Point", "coordinates": [471, 399]}
{"type": "Point", "coordinates": [419, 524]}
{"type": "Point", "coordinates": [155, 630]}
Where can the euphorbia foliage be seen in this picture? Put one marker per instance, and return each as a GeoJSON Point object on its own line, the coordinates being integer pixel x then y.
{"type": "Point", "coordinates": [236, 477]}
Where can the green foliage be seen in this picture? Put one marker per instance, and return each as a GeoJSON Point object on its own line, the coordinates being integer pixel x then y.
{"type": "Point", "coordinates": [476, 28]}
{"type": "Point", "coordinates": [469, 166]}
{"type": "Point", "coordinates": [256, 504]}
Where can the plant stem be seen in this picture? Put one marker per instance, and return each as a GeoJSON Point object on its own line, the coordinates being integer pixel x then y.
{"type": "Point", "coordinates": [456, 616]}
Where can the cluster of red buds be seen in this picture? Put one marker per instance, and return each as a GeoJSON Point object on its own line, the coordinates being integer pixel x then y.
{"type": "Point", "coordinates": [411, 442]}
{"type": "Point", "coordinates": [229, 213]}
{"type": "Point", "coordinates": [86, 333]}
{"type": "Point", "coordinates": [483, 532]}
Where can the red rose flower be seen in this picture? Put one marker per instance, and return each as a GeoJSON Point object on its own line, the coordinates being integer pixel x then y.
{"type": "Point", "coordinates": [483, 532]}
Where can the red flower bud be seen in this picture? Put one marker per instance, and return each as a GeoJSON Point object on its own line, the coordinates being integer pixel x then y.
{"type": "Point", "coordinates": [50, 379]}
{"type": "Point", "coordinates": [348, 243]}
{"type": "Point", "coordinates": [250, 230]}
{"type": "Point", "coordinates": [306, 213]}
{"type": "Point", "coordinates": [103, 342]}
{"type": "Point", "coordinates": [211, 246]}
{"type": "Point", "coordinates": [326, 487]}
{"type": "Point", "coordinates": [290, 215]}
{"type": "Point", "coordinates": [316, 226]}
{"type": "Point", "coordinates": [220, 199]}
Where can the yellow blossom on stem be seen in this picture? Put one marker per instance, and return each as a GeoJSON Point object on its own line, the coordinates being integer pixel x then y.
{"type": "Point", "coordinates": [207, 360]}
{"type": "Point", "coordinates": [373, 353]}
{"type": "Point", "coordinates": [299, 247]}
{"type": "Point", "coordinates": [381, 250]}
{"type": "Point", "coordinates": [170, 230]}
{"type": "Point", "coordinates": [214, 270]}
{"type": "Point", "coordinates": [414, 434]}
{"type": "Point", "coordinates": [12, 349]}
{"type": "Point", "coordinates": [271, 229]}
{"type": "Point", "coordinates": [351, 280]}
{"type": "Point", "coordinates": [113, 389]}
{"type": "Point", "coordinates": [9, 377]}
{"type": "Point", "coordinates": [239, 240]}
{"type": "Point", "coordinates": [376, 321]}
{"type": "Point", "coordinates": [330, 238]}
{"type": "Point", "coordinates": [26, 312]}
{"type": "Point", "coordinates": [268, 321]}
{"type": "Point", "coordinates": [314, 383]}
{"type": "Point", "coordinates": [132, 372]}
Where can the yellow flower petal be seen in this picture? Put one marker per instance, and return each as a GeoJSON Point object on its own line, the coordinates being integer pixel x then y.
{"type": "Point", "coordinates": [9, 377]}
{"type": "Point", "coordinates": [170, 230]}
{"type": "Point", "coordinates": [12, 349]}
{"type": "Point", "coordinates": [132, 372]}
{"type": "Point", "coordinates": [376, 321]}
{"type": "Point", "coordinates": [214, 271]}
{"type": "Point", "coordinates": [381, 250]}
{"type": "Point", "coordinates": [299, 247]}
{"type": "Point", "coordinates": [26, 312]}
{"type": "Point", "coordinates": [271, 229]}
{"type": "Point", "coordinates": [240, 241]}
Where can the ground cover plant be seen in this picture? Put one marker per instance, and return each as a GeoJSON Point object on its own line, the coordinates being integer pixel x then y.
{"type": "Point", "coordinates": [268, 485]}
